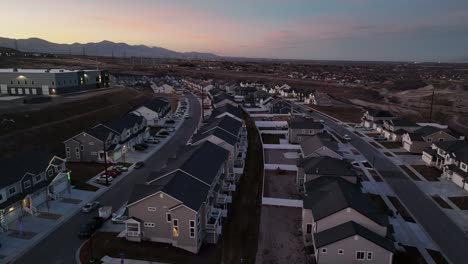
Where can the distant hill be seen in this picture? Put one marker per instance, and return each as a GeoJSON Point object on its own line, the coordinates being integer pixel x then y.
{"type": "Point", "coordinates": [103, 48]}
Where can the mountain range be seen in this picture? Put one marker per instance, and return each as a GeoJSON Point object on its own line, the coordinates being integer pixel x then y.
{"type": "Point", "coordinates": [103, 48]}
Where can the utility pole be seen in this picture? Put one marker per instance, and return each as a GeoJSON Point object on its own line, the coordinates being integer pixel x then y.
{"type": "Point", "coordinates": [202, 105]}
{"type": "Point", "coordinates": [432, 105]}
{"type": "Point", "coordinates": [105, 162]}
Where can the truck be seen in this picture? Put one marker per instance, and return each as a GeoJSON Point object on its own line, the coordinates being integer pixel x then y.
{"type": "Point", "coordinates": [105, 212]}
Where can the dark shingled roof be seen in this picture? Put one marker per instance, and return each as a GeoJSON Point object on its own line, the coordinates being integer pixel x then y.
{"type": "Point", "coordinates": [157, 104]}
{"type": "Point", "coordinates": [379, 113]}
{"type": "Point", "coordinates": [221, 134]}
{"type": "Point", "coordinates": [350, 229]}
{"type": "Point", "coordinates": [221, 96]}
{"type": "Point", "coordinates": [100, 132]}
{"type": "Point", "coordinates": [305, 124]}
{"type": "Point", "coordinates": [14, 168]}
{"type": "Point", "coordinates": [127, 121]}
{"type": "Point", "coordinates": [328, 195]}
{"type": "Point", "coordinates": [226, 123]}
{"type": "Point", "coordinates": [313, 143]}
{"type": "Point", "coordinates": [327, 166]}
{"type": "Point", "coordinates": [456, 148]}
{"type": "Point", "coordinates": [228, 108]}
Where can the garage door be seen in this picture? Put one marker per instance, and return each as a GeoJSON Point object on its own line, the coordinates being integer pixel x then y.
{"type": "Point", "coordinates": [39, 197]}
{"type": "Point", "coordinates": [3, 89]}
{"type": "Point", "coordinates": [117, 155]}
{"type": "Point", "coordinates": [60, 186]}
{"type": "Point", "coordinates": [45, 89]}
{"type": "Point", "coordinates": [406, 146]}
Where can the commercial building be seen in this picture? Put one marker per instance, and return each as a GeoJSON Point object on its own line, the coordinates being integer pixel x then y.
{"type": "Point", "coordinates": [50, 81]}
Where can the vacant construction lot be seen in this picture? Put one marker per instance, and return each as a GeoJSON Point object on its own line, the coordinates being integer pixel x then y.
{"type": "Point", "coordinates": [280, 184]}
{"type": "Point", "coordinates": [49, 127]}
{"type": "Point", "coordinates": [280, 239]}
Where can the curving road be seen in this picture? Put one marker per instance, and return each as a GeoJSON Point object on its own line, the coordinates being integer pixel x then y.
{"type": "Point", "coordinates": [60, 246]}
{"type": "Point", "coordinates": [443, 231]}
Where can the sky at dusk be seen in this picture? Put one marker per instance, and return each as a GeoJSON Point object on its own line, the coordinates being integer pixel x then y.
{"type": "Point", "coordinates": [297, 29]}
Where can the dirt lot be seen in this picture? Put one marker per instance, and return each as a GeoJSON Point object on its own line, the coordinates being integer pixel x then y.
{"type": "Point", "coordinates": [280, 239]}
{"type": "Point", "coordinates": [280, 184]}
{"type": "Point", "coordinates": [49, 127]}
{"type": "Point", "coordinates": [280, 156]}
{"type": "Point", "coordinates": [343, 113]}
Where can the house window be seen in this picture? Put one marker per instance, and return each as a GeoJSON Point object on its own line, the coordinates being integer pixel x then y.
{"type": "Point", "coordinates": [38, 178]}
{"type": "Point", "coordinates": [68, 152]}
{"type": "Point", "coordinates": [429, 139]}
{"type": "Point", "coordinates": [192, 228]}
{"type": "Point", "coordinates": [324, 250]}
{"type": "Point", "coordinates": [303, 131]}
{"type": "Point", "coordinates": [151, 209]}
{"type": "Point", "coordinates": [27, 184]}
{"type": "Point", "coordinates": [82, 148]}
{"type": "Point", "coordinates": [301, 182]}
{"type": "Point", "coordinates": [463, 166]}
{"type": "Point", "coordinates": [340, 251]}
{"type": "Point", "coordinates": [369, 255]}
{"type": "Point", "coordinates": [77, 150]}
{"type": "Point", "coordinates": [441, 140]}
{"type": "Point", "coordinates": [360, 255]}
{"type": "Point", "coordinates": [309, 228]}
{"type": "Point", "coordinates": [12, 190]}
{"type": "Point", "coordinates": [168, 217]}
{"type": "Point", "coordinates": [147, 224]}
{"type": "Point", "coordinates": [50, 172]}
{"type": "Point", "coordinates": [175, 228]}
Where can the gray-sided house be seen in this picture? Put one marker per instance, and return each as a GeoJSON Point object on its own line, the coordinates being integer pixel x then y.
{"type": "Point", "coordinates": [320, 145]}
{"type": "Point", "coordinates": [423, 137]}
{"type": "Point", "coordinates": [341, 222]}
{"type": "Point", "coordinates": [28, 180]}
{"type": "Point", "coordinates": [315, 167]}
{"type": "Point", "coordinates": [184, 205]}
{"type": "Point", "coordinates": [371, 117]}
{"type": "Point", "coordinates": [393, 129]}
{"type": "Point", "coordinates": [303, 128]}
{"type": "Point", "coordinates": [114, 138]}
{"type": "Point", "coordinates": [279, 106]}
{"type": "Point", "coordinates": [153, 111]}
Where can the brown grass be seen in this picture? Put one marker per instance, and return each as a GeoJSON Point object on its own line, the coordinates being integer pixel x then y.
{"type": "Point", "coordinates": [429, 173]}
{"type": "Point", "coordinates": [342, 113]}
{"type": "Point", "coordinates": [410, 173]}
{"type": "Point", "coordinates": [460, 201]}
{"type": "Point", "coordinates": [441, 202]}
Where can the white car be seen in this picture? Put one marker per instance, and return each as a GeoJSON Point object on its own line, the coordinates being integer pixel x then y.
{"type": "Point", "coordinates": [358, 126]}
{"type": "Point", "coordinates": [152, 140]}
{"type": "Point", "coordinates": [186, 116]}
{"type": "Point", "coordinates": [346, 137]}
{"type": "Point", "coordinates": [120, 219]}
{"type": "Point", "coordinates": [90, 207]}
{"type": "Point", "coordinates": [102, 179]}
{"type": "Point", "coordinates": [170, 129]}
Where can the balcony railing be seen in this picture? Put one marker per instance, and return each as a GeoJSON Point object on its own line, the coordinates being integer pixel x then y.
{"type": "Point", "coordinates": [238, 163]}
{"type": "Point", "coordinates": [229, 187]}
{"type": "Point", "coordinates": [221, 198]}
{"type": "Point", "coordinates": [213, 218]}
{"type": "Point", "coordinates": [231, 177]}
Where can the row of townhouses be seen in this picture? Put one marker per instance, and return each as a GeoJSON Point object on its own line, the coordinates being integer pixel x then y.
{"type": "Point", "coordinates": [29, 180]}
{"type": "Point", "coordinates": [186, 203]}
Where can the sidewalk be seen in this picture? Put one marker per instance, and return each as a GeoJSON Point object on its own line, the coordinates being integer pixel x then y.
{"type": "Point", "coordinates": [109, 260]}
{"type": "Point", "coordinates": [30, 230]}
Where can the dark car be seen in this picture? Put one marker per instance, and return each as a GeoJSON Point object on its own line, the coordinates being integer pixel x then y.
{"type": "Point", "coordinates": [139, 164]}
{"type": "Point", "coordinates": [139, 147]}
{"type": "Point", "coordinates": [144, 145]}
{"type": "Point", "coordinates": [170, 121]}
{"type": "Point", "coordinates": [163, 133]}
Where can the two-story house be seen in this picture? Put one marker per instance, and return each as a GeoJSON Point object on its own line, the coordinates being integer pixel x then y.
{"type": "Point", "coordinates": [320, 145]}
{"type": "Point", "coordinates": [372, 116]}
{"type": "Point", "coordinates": [113, 139]}
{"type": "Point", "coordinates": [153, 111]}
{"type": "Point", "coordinates": [394, 129]}
{"type": "Point", "coordinates": [303, 128]}
{"type": "Point", "coordinates": [222, 99]}
{"type": "Point", "coordinates": [316, 167]}
{"type": "Point", "coordinates": [343, 225]}
{"type": "Point", "coordinates": [185, 204]}
{"type": "Point", "coordinates": [228, 109]}
{"type": "Point", "coordinates": [279, 106]}
{"type": "Point", "coordinates": [425, 136]}
{"type": "Point", "coordinates": [28, 180]}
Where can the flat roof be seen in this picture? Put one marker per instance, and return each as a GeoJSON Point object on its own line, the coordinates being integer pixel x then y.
{"type": "Point", "coordinates": [11, 70]}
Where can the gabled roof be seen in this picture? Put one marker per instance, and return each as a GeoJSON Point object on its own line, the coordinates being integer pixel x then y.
{"type": "Point", "coordinates": [350, 229]}
{"type": "Point", "coordinates": [100, 132]}
{"type": "Point", "coordinates": [226, 123]}
{"type": "Point", "coordinates": [15, 167]}
{"type": "Point", "coordinates": [328, 195]}
{"type": "Point", "coordinates": [315, 142]}
{"type": "Point", "coordinates": [305, 123]}
{"type": "Point", "coordinates": [427, 130]}
{"type": "Point", "coordinates": [222, 96]}
{"type": "Point", "coordinates": [457, 149]}
{"type": "Point", "coordinates": [327, 166]}
{"type": "Point", "coordinates": [219, 133]}
{"type": "Point", "coordinates": [125, 122]}
{"type": "Point", "coordinates": [157, 104]}
{"type": "Point", "coordinates": [228, 108]}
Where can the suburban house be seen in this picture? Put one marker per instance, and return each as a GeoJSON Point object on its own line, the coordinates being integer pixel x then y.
{"type": "Point", "coordinates": [320, 145]}
{"type": "Point", "coordinates": [343, 225]}
{"type": "Point", "coordinates": [229, 110]}
{"type": "Point", "coordinates": [278, 106]}
{"type": "Point", "coordinates": [303, 128]}
{"type": "Point", "coordinates": [29, 180]}
{"type": "Point", "coordinates": [185, 206]}
{"type": "Point", "coordinates": [228, 133]}
{"type": "Point", "coordinates": [153, 111]}
{"type": "Point", "coordinates": [114, 138]}
{"type": "Point", "coordinates": [222, 99]}
{"type": "Point", "coordinates": [320, 99]}
{"type": "Point", "coordinates": [452, 158]}
{"type": "Point", "coordinates": [372, 117]}
{"type": "Point", "coordinates": [394, 129]}
{"type": "Point", "coordinates": [423, 138]}
{"type": "Point", "coordinates": [162, 87]}
{"type": "Point", "coordinates": [316, 167]}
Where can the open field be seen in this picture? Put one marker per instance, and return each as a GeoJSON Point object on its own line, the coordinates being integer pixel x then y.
{"type": "Point", "coordinates": [461, 202]}
{"type": "Point", "coordinates": [49, 127]}
{"type": "Point", "coordinates": [343, 113]}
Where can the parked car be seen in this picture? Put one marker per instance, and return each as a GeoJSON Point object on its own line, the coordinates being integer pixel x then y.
{"type": "Point", "coordinates": [358, 126]}
{"type": "Point", "coordinates": [139, 147]}
{"type": "Point", "coordinates": [163, 133]}
{"type": "Point", "coordinates": [321, 121]}
{"type": "Point", "coordinates": [102, 179]}
{"type": "Point", "coordinates": [90, 227]}
{"type": "Point", "coordinates": [139, 164]}
{"type": "Point", "coordinates": [87, 208]}
{"type": "Point", "coordinates": [105, 212]}
{"type": "Point", "coordinates": [170, 121]}
{"type": "Point", "coordinates": [170, 129]}
{"type": "Point", "coordinates": [121, 168]}
{"type": "Point", "coordinates": [110, 173]}
{"type": "Point", "coordinates": [346, 137]}
{"type": "Point", "coordinates": [380, 138]}
{"type": "Point", "coordinates": [186, 116]}
{"type": "Point", "coordinates": [152, 140]}
{"type": "Point", "coordinates": [120, 219]}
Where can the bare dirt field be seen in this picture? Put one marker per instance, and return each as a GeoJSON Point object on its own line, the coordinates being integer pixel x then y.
{"type": "Point", "coordinates": [280, 184]}
{"type": "Point", "coordinates": [280, 239]}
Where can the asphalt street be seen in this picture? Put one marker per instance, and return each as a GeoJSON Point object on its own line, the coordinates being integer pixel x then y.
{"type": "Point", "coordinates": [443, 231]}
{"type": "Point", "coordinates": [60, 246]}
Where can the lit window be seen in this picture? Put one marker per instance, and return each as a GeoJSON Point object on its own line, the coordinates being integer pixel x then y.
{"type": "Point", "coordinates": [175, 228]}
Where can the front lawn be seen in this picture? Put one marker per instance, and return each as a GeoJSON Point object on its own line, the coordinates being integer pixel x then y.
{"type": "Point", "coordinates": [391, 144]}
{"type": "Point", "coordinates": [411, 255]}
{"type": "Point", "coordinates": [437, 256]}
{"type": "Point", "coordinates": [441, 202]}
{"type": "Point", "coordinates": [410, 173]}
{"type": "Point", "coordinates": [460, 201]}
{"type": "Point", "coordinates": [376, 176]}
{"type": "Point", "coordinates": [376, 145]}
{"type": "Point", "coordinates": [429, 173]}
{"type": "Point", "coordinates": [378, 200]}
{"type": "Point", "coordinates": [401, 209]}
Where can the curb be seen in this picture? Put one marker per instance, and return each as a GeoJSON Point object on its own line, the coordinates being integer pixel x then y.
{"type": "Point", "coordinates": [77, 253]}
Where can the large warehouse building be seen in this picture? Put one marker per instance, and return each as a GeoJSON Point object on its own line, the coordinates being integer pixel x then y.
{"type": "Point", "coordinates": [50, 81]}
